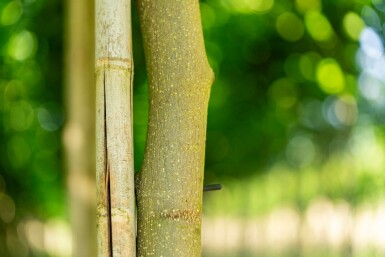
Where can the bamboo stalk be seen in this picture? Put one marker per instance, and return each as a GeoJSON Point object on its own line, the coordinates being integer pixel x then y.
{"type": "Point", "coordinates": [114, 151]}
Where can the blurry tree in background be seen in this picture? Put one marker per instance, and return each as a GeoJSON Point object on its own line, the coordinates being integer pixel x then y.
{"type": "Point", "coordinates": [32, 187]}
{"type": "Point", "coordinates": [302, 120]}
{"type": "Point", "coordinates": [295, 127]}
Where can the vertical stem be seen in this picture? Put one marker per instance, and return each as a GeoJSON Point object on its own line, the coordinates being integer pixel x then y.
{"type": "Point", "coordinates": [114, 151]}
{"type": "Point", "coordinates": [169, 188]}
{"type": "Point", "coordinates": [79, 134]}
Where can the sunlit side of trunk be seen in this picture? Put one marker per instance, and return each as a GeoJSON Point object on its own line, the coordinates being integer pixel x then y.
{"type": "Point", "coordinates": [169, 186]}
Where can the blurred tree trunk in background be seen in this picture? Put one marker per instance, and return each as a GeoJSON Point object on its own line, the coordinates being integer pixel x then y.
{"type": "Point", "coordinates": [79, 135]}
{"type": "Point", "coordinates": [170, 183]}
{"type": "Point", "coordinates": [114, 139]}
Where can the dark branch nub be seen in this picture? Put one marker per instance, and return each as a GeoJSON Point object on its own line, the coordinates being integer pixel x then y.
{"type": "Point", "coordinates": [212, 187]}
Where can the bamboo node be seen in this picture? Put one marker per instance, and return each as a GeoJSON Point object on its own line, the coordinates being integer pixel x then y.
{"type": "Point", "coordinates": [117, 62]}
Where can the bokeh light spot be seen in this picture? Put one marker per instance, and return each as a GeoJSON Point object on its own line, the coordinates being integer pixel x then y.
{"type": "Point", "coordinates": [379, 4]}
{"type": "Point", "coordinates": [340, 112]}
{"type": "Point", "coordinates": [353, 25]}
{"type": "Point", "coordinates": [14, 90]}
{"type": "Point", "coordinates": [289, 26]}
{"type": "Point", "coordinates": [300, 151]}
{"type": "Point", "coordinates": [308, 5]}
{"type": "Point", "coordinates": [318, 26]}
{"type": "Point", "coordinates": [311, 114]}
{"type": "Point", "coordinates": [2, 187]}
{"type": "Point", "coordinates": [371, 43]}
{"type": "Point", "coordinates": [300, 67]}
{"type": "Point", "coordinates": [11, 13]}
{"type": "Point", "coordinates": [21, 115]}
{"type": "Point", "coordinates": [57, 238]}
{"type": "Point", "coordinates": [7, 209]}
{"type": "Point", "coordinates": [250, 6]}
{"type": "Point", "coordinates": [370, 87]}
{"type": "Point", "coordinates": [373, 64]}
{"type": "Point", "coordinates": [346, 110]}
{"type": "Point", "coordinates": [330, 76]}
{"type": "Point", "coordinates": [34, 232]}
{"type": "Point", "coordinates": [306, 67]}
{"type": "Point", "coordinates": [31, 72]}
{"type": "Point", "coordinates": [307, 64]}
{"type": "Point", "coordinates": [50, 116]}
{"type": "Point", "coordinates": [371, 18]}
{"type": "Point", "coordinates": [19, 151]}
{"type": "Point", "coordinates": [22, 45]}
{"type": "Point", "coordinates": [252, 25]}
{"type": "Point", "coordinates": [284, 92]}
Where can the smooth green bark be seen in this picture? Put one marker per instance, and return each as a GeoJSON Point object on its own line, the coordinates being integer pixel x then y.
{"type": "Point", "coordinates": [169, 187]}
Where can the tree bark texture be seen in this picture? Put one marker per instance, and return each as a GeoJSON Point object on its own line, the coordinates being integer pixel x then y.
{"type": "Point", "coordinates": [79, 133]}
{"type": "Point", "coordinates": [114, 147]}
{"type": "Point", "coordinates": [169, 189]}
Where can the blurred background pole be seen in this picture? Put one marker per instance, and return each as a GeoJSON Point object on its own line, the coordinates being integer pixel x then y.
{"type": "Point", "coordinates": [79, 133]}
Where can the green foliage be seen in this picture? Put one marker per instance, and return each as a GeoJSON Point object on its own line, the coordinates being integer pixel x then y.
{"type": "Point", "coordinates": [294, 112]}
{"type": "Point", "coordinates": [31, 115]}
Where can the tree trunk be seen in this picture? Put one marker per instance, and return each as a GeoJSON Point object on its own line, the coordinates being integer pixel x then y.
{"type": "Point", "coordinates": [115, 169]}
{"type": "Point", "coordinates": [79, 135]}
{"type": "Point", "coordinates": [169, 190]}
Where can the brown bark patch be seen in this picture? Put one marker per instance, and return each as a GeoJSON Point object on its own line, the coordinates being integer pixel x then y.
{"type": "Point", "coordinates": [189, 216]}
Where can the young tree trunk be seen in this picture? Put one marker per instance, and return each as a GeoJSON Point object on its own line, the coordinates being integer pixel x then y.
{"type": "Point", "coordinates": [115, 169]}
{"type": "Point", "coordinates": [79, 134]}
{"type": "Point", "coordinates": [169, 189]}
